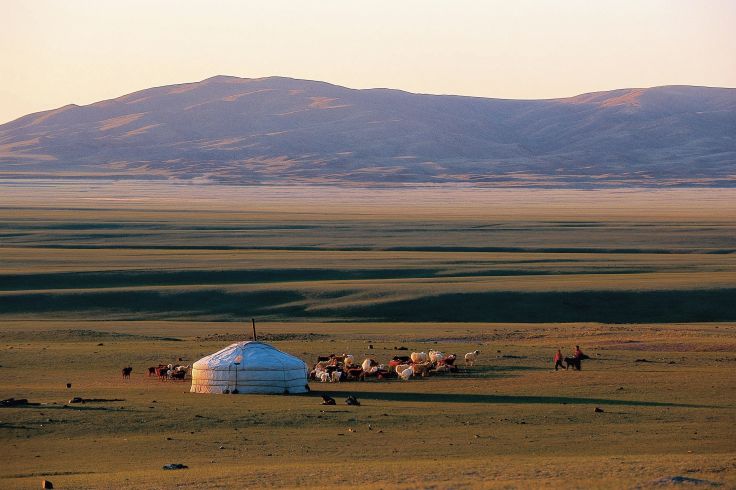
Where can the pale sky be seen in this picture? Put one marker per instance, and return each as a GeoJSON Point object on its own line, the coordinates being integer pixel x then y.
{"type": "Point", "coordinates": [74, 51]}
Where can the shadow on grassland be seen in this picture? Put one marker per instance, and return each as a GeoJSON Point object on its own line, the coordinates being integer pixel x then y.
{"type": "Point", "coordinates": [666, 306]}
{"type": "Point", "coordinates": [137, 278]}
{"type": "Point", "coordinates": [497, 399]}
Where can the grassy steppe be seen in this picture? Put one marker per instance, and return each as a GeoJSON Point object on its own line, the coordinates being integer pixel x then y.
{"type": "Point", "coordinates": [94, 276]}
{"type": "Point", "coordinates": [441, 255]}
{"type": "Point", "coordinates": [511, 421]}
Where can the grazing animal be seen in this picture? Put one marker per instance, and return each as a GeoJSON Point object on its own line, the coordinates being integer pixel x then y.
{"type": "Point", "coordinates": [436, 356]}
{"type": "Point", "coordinates": [471, 357]}
{"type": "Point", "coordinates": [349, 360]}
{"type": "Point", "coordinates": [402, 367]}
{"type": "Point", "coordinates": [162, 371]}
{"type": "Point", "coordinates": [369, 365]}
{"type": "Point", "coordinates": [68, 385]}
{"type": "Point", "coordinates": [324, 376]}
{"type": "Point", "coordinates": [417, 357]}
{"type": "Point", "coordinates": [354, 373]}
{"type": "Point", "coordinates": [407, 373]}
{"type": "Point", "coordinates": [351, 400]}
{"type": "Point", "coordinates": [151, 371]}
{"type": "Point", "coordinates": [328, 400]}
{"type": "Point", "coordinates": [572, 362]}
{"type": "Point", "coordinates": [336, 376]}
{"type": "Point", "coordinates": [422, 369]}
{"type": "Point", "coordinates": [127, 371]}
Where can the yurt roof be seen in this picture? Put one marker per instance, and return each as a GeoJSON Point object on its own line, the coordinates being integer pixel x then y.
{"type": "Point", "coordinates": [255, 355]}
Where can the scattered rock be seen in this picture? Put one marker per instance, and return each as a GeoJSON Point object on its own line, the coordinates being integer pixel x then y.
{"type": "Point", "coordinates": [100, 344]}
{"type": "Point", "coordinates": [598, 410]}
{"type": "Point", "coordinates": [175, 466]}
{"type": "Point", "coordinates": [76, 399]}
{"type": "Point", "coordinates": [68, 385]}
{"type": "Point", "coordinates": [642, 360]}
{"type": "Point", "coordinates": [46, 484]}
{"type": "Point", "coordinates": [328, 400]}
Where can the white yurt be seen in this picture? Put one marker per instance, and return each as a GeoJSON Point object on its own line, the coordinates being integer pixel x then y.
{"type": "Point", "coordinates": [249, 367]}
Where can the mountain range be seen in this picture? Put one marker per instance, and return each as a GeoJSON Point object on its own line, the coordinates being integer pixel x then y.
{"type": "Point", "coordinates": [279, 130]}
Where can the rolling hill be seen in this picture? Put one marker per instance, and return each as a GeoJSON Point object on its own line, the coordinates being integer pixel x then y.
{"type": "Point", "coordinates": [281, 130]}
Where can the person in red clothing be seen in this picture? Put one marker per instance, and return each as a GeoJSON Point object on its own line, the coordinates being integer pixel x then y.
{"type": "Point", "coordinates": [577, 358]}
{"type": "Point", "coordinates": [558, 360]}
{"type": "Point", "coordinates": [578, 353]}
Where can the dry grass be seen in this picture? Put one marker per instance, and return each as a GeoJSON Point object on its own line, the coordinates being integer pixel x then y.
{"type": "Point", "coordinates": [534, 426]}
{"type": "Point", "coordinates": [150, 272]}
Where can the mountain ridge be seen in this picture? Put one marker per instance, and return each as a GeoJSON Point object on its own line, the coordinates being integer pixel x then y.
{"type": "Point", "coordinates": [285, 130]}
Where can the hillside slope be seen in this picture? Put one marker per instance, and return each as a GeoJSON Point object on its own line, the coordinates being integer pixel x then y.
{"type": "Point", "coordinates": [281, 130]}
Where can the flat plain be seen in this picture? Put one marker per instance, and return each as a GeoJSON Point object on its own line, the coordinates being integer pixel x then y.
{"type": "Point", "coordinates": [95, 276]}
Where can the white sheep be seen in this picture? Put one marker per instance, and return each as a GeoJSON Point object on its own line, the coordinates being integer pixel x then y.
{"type": "Point", "coordinates": [470, 357]}
{"type": "Point", "coordinates": [370, 366]}
{"type": "Point", "coordinates": [407, 373]}
{"type": "Point", "coordinates": [349, 360]}
{"type": "Point", "coordinates": [436, 356]}
{"type": "Point", "coordinates": [336, 376]}
{"type": "Point", "coordinates": [323, 376]}
{"type": "Point", "coordinates": [417, 357]}
{"type": "Point", "coordinates": [402, 367]}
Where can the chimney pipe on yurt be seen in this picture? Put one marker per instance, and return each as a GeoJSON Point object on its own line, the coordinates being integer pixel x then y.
{"type": "Point", "coordinates": [254, 329]}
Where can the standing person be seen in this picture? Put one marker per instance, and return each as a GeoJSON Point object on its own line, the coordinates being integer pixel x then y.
{"type": "Point", "coordinates": [577, 357]}
{"type": "Point", "coordinates": [578, 353]}
{"type": "Point", "coordinates": [558, 360]}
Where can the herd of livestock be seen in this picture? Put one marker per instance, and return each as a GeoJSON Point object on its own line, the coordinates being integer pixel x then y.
{"type": "Point", "coordinates": [336, 368]}
{"type": "Point", "coordinates": [169, 372]}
